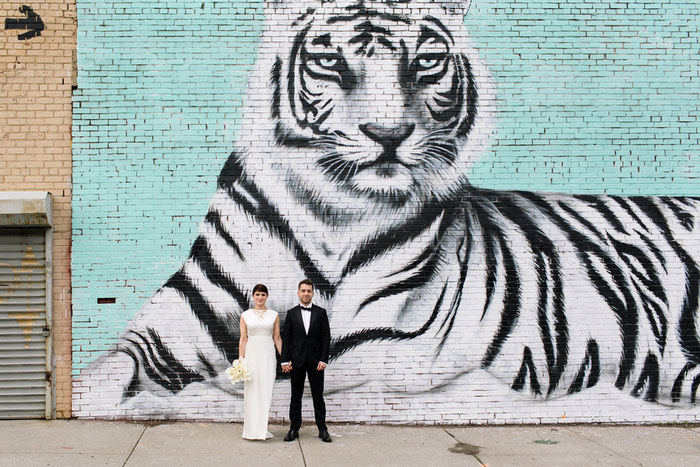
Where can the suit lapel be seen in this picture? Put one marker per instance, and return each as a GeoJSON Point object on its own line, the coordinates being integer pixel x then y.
{"type": "Point", "coordinates": [297, 316]}
{"type": "Point", "coordinates": [312, 319]}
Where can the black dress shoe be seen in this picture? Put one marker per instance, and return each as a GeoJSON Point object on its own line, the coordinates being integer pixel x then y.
{"type": "Point", "coordinates": [325, 436]}
{"type": "Point", "coordinates": [291, 435]}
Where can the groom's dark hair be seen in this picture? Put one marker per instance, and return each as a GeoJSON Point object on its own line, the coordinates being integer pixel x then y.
{"type": "Point", "coordinates": [305, 282]}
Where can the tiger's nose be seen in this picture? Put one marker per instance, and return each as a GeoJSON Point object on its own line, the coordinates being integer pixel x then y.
{"type": "Point", "coordinates": [388, 137]}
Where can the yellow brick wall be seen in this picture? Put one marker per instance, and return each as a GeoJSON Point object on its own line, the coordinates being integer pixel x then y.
{"type": "Point", "coordinates": [35, 145]}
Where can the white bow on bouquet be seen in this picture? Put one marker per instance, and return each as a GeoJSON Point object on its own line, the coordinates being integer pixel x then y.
{"type": "Point", "coordinates": [238, 371]}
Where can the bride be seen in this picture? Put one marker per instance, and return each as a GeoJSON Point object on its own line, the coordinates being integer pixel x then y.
{"type": "Point", "coordinates": [260, 335]}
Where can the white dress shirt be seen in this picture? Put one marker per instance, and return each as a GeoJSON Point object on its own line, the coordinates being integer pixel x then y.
{"type": "Point", "coordinates": [306, 318]}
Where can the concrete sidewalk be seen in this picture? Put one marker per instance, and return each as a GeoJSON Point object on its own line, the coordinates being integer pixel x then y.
{"type": "Point", "coordinates": [96, 443]}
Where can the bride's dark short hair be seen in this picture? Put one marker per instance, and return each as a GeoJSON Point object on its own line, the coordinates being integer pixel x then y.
{"type": "Point", "coordinates": [261, 288]}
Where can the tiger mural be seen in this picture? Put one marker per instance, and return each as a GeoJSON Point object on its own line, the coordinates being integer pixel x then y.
{"type": "Point", "coordinates": [356, 175]}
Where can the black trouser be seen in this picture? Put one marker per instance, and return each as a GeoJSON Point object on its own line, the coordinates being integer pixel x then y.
{"type": "Point", "coordinates": [316, 382]}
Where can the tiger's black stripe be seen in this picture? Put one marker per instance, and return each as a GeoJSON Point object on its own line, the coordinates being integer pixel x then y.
{"type": "Point", "coordinates": [209, 368]}
{"type": "Point", "coordinates": [604, 211]}
{"type": "Point", "coordinates": [625, 205]}
{"type": "Point", "coordinates": [165, 362]}
{"type": "Point", "coordinates": [586, 223]}
{"type": "Point", "coordinates": [688, 200]}
{"type": "Point", "coordinates": [650, 278]}
{"type": "Point", "coordinates": [404, 233]}
{"type": "Point", "coordinates": [591, 362]}
{"type": "Point", "coordinates": [627, 319]}
{"type": "Point", "coordinates": [491, 271]}
{"type": "Point", "coordinates": [654, 249]}
{"type": "Point", "coordinates": [275, 77]}
{"type": "Point", "coordinates": [179, 375]}
{"type": "Point", "coordinates": [543, 324]}
{"type": "Point", "coordinates": [439, 24]}
{"type": "Point", "coordinates": [678, 383]}
{"type": "Point", "coordinates": [166, 370]}
{"type": "Point", "coordinates": [345, 343]}
{"type": "Point", "coordinates": [453, 103]}
{"type": "Point", "coordinates": [649, 379]}
{"type": "Point", "coordinates": [201, 255]}
{"type": "Point", "coordinates": [226, 342]}
{"type": "Point", "coordinates": [527, 368]}
{"type": "Point", "coordinates": [421, 277]}
{"type": "Point", "coordinates": [657, 320]}
{"type": "Point", "coordinates": [490, 233]}
{"type": "Point", "coordinates": [694, 388]}
{"type": "Point", "coordinates": [362, 12]}
{"type": "Point", "coordinates": [155, 363]}
{"type": "Point", "coordinates": [150, 371]}
{"type": "Point", "coordinates": [214, 219]}
{"type": "Point", "coordinates": [414, 264]}
{"type": "Point", "coordinates": [472, 99]}
{"type": "Point", "coordinates": [511, 305]}
{"type": "Point", "coordinates": [684, 217]}
{"type": "Point", "coordinates": [134, 386]}
{"type": "Point", "coordinates": [282, 135]}
{"type": "Point", "coordinates": [293, 55]}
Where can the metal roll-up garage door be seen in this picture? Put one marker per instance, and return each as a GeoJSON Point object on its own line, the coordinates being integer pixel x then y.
{"type": "Point", "coordinates": [24, 384]}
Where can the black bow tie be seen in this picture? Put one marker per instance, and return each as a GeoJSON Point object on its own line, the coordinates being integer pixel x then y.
{"type": "Point", "coordinates": [307, 308]}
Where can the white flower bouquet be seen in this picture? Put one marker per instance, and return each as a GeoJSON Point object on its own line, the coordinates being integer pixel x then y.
{"type": "Point", "coordinates": [238, 371]}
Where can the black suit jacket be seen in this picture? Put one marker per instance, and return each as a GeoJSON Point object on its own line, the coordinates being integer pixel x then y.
{"type": "Point", "coordinates": [304, 349]}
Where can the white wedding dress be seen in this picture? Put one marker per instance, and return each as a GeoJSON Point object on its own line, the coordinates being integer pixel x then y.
{"type": "Point", "coordinates": [261, 360]}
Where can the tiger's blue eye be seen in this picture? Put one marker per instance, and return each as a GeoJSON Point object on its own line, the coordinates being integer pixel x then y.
{"type": "Point", "coordinates": [329, 61]}
{"type": "Point", "coordinates": [428, 61]}
{"type": "Point", "coordinates": [330, 66]}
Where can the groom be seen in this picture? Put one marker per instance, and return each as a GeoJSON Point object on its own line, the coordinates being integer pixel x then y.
{"type": "Point", "coordinates": [306, 341]}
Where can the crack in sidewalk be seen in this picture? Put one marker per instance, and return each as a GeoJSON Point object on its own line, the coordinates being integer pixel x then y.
{"type": "Point", "coordinates": [133, 448]}
{"type": "Point", "coordinates": [301, 449]}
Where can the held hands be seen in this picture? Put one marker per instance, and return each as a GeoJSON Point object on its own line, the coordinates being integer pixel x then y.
{"type": "Point", "coordinates": [287, 367]}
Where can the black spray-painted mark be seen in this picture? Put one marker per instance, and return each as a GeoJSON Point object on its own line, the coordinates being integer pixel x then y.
{"type": "Point", "coordinates": [32, 22]}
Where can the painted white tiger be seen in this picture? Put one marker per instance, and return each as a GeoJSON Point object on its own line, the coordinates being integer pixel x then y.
{"type": "Point", "coordinates": [363, 121]}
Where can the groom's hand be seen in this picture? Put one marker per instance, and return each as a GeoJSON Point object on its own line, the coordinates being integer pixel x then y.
{"type": "Point", "coordinates": [321, 366]}
{"type": "Point", "coordinates": [286, 367]}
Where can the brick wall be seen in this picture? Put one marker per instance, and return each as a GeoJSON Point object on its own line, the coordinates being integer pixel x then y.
{"type": "Point", "coordinates": [35, 145]}
{"type": "Point", "coordinates": [583, 97]}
